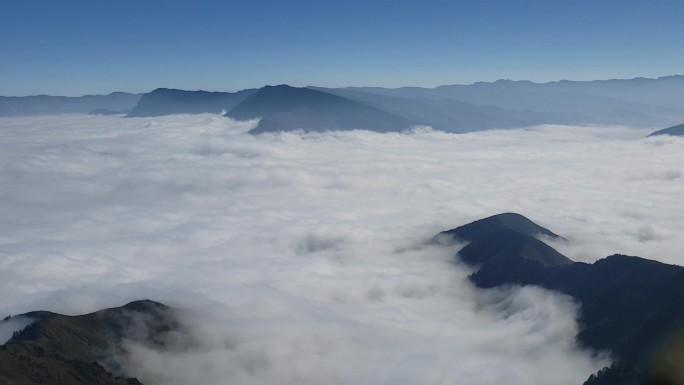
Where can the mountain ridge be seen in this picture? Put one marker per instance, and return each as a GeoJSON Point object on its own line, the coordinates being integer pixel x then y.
{"type": "Point", "coordinates": [285, 108]}
{"type": "Point", "coordinates": [37, 105]}
{"type": "Point", "coordinates": [168, 101]}
{"type": "Point", "coordinates": [504, 241]}
{"type": "Point", "coordinates": [455, 116]}
{"type": "Point", "coordinates": [640, 102]}
{"type": "Point", "coordinates": [80, 350]}
{"type": "Point", "coordinates": [629, 305]}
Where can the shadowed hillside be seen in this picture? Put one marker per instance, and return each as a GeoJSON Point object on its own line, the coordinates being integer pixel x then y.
{"type": "Point", "coordinates": [82, 350]}
{"type": "Point", "coordinates": [630, 306]}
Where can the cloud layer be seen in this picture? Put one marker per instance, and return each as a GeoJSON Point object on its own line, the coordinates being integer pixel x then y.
{"type": "Point", "coordinates": [307, 250]}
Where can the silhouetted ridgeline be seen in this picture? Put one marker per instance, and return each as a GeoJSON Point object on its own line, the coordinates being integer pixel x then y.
{"type": "Point", "coordinates": [631, 306]}
{"type": "Point", "coordinates": [457, 108]}
{"type": "Point", "coordinates": [451, 108]}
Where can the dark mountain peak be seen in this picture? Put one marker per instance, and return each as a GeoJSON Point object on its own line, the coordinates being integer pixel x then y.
{"type": "Point", "coordinates": [509, 221]}
{"type": "Point", "coordinates": [677, 130]}
{"type": "Point", "coordinates": [628, 264]}
{"type": "Point", "coordinates": [622, 258]}
{"type": "Point", "coordinates": [122, 316]}
{"type": "Point", "coordinates": [144, 305]}
{"type": "Point", "coordinates": [630, 306]}
{"type": "Point", "coordinates": [506, 241]}
{"type": "Point", "coordinates": [271, 100]}
{"type": "Point", "coordinates": [286, 108]}
{"type": "Point", "coordinates": [82, 349]}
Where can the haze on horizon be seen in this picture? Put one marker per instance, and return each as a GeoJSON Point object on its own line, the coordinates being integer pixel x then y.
{"type": "Point", "coordinates": [73, 48]}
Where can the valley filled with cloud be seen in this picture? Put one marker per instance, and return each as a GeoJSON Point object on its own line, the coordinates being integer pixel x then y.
{"type": "Point", "coordinates": [301, 258]}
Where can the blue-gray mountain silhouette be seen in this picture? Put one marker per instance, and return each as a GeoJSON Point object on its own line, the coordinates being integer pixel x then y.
{"type": "Point", "coordinates": [56, 105]}
{"type": "Point", "coordinates": [635, 102]}
{"type": "Point", "coordinates": [674, 131]}
{"type": "Point", "coordinates": [453, 115]}
{"type": "Point", "coordinates": [452, 108]}
{"type": "Point", "coordinates": [165, 101]}
{"type": "Point", "coordinates": [285, 108]}
{"type": "Point", "coordinates": [630, 306]}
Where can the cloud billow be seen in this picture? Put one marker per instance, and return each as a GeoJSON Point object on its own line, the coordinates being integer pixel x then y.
{"type": "Point", "coordinates": [301, 257]}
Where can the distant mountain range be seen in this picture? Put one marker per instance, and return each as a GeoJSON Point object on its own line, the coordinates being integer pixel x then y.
{"type": "Point", "coordinates": [452, 108]}
{"type": "Point", "coordinates": [164, 101]}
{"type": "Point", "coordinates": [56, 105]}
{"type": "Point", "coordinates": [630, 306]}
{"type": "Point", "coordinates": [456, 116]}
{"type": "Point", "coordinates": [640, 101]}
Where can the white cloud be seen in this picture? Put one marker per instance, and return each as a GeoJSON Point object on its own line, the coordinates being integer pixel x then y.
{"type": "Point", "coordinates": [308, 246]}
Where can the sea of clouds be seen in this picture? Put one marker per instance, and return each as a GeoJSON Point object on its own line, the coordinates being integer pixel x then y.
{"type": "Point", "coordinates": [303, 256]}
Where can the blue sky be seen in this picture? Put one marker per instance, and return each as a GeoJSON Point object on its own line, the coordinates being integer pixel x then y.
{"type": "Point", "coordinates": [70, 47]}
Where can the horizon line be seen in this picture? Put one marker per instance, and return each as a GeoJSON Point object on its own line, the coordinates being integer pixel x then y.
{"type": "Point", "coordinates": [354, 86]}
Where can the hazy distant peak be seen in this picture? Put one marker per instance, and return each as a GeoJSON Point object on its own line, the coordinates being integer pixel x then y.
{"type": "Point", "coordinates": [677, 130]}
{"type": "Point", "coordinates": [286, 108]}
{"type": "Point", "coordinates": [168, 101]}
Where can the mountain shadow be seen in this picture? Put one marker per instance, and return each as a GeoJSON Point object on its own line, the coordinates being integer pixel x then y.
{"type": "Point", "coordinates": [630, 306]}
{"type": "Point", "coordinates": [165, 101]}
{"type": "Point", "coordinates": [82, 350]}
{"type": "Point", "coordinates": [285, 108]}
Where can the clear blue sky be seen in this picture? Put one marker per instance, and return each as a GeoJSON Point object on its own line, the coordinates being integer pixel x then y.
{"type": "Point", "coordinates": [70, 47]}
